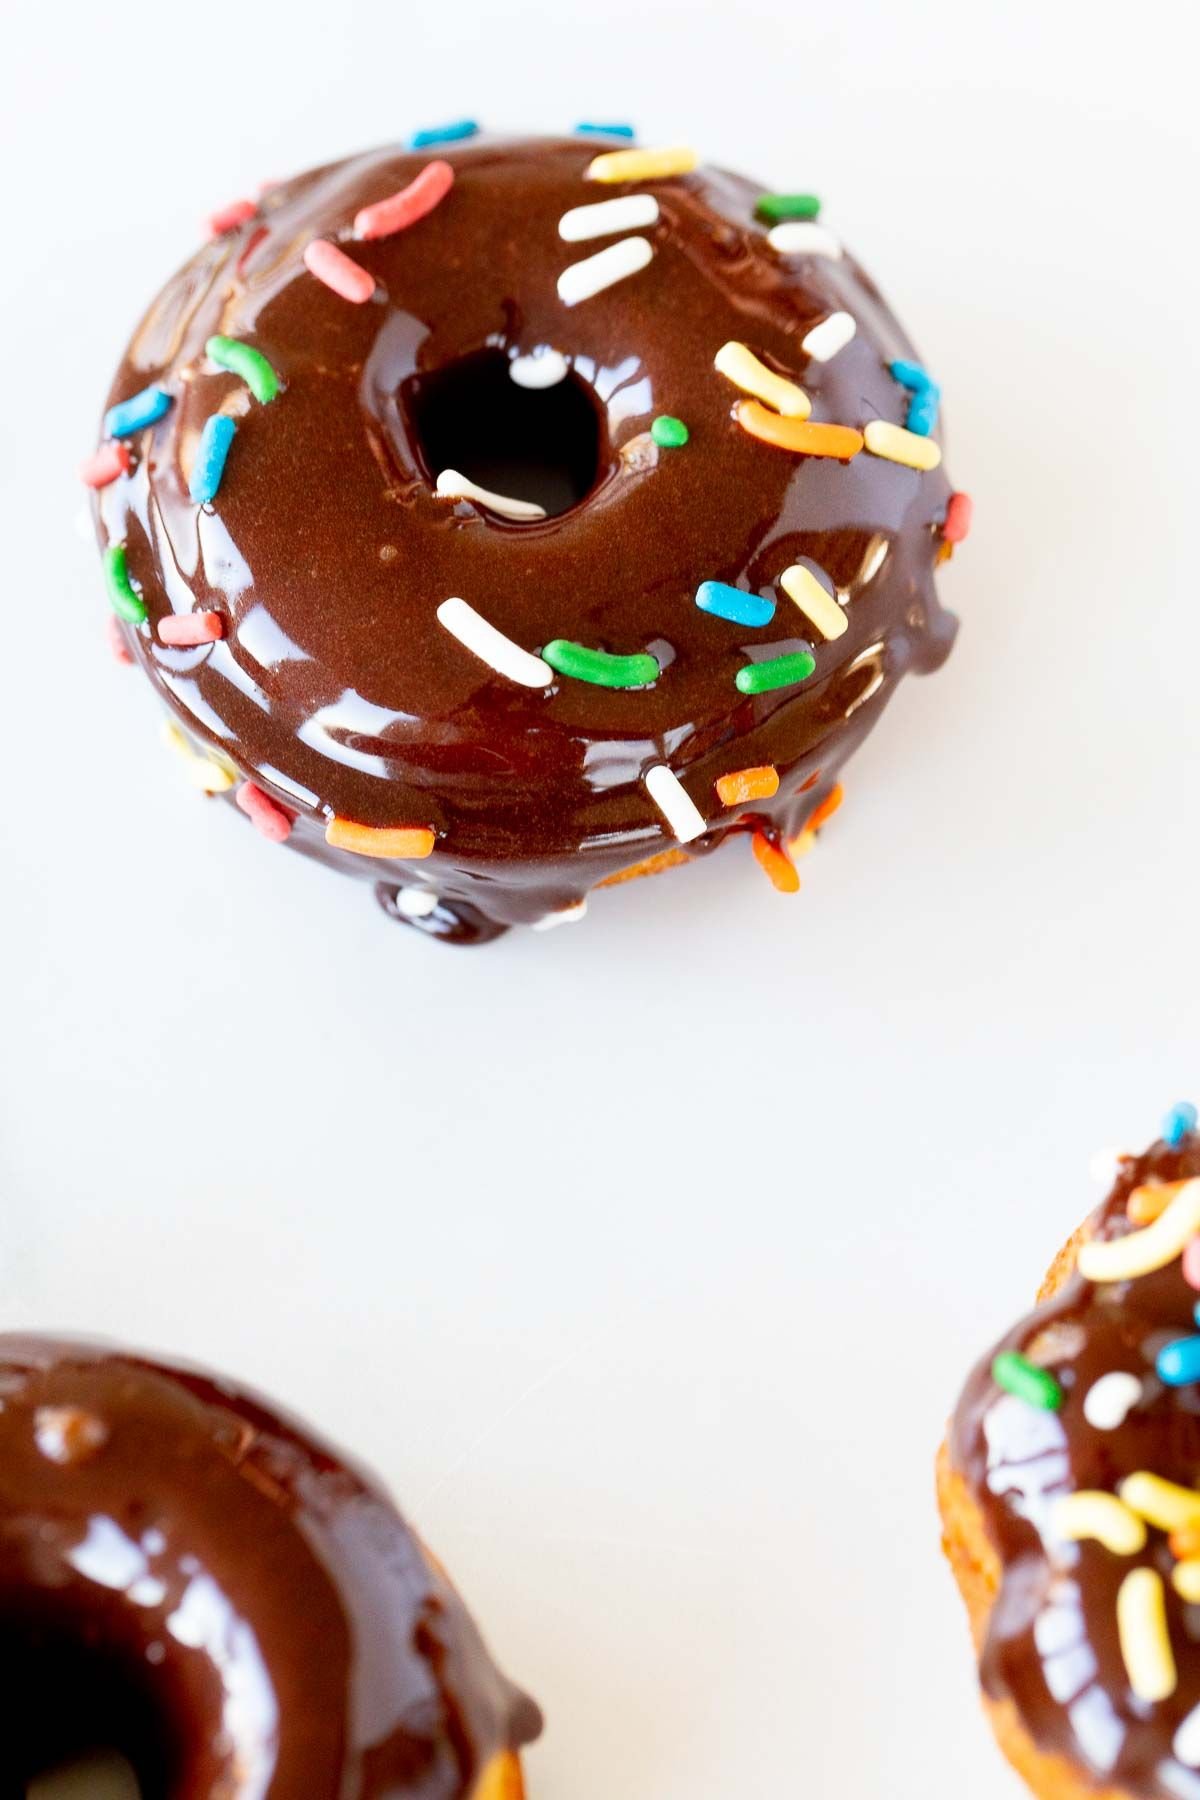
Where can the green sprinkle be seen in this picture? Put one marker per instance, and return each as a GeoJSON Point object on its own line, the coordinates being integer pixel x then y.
{"type": "Point", "coordinates": [669, 433]}
{"type": "Point", "coordinates": [775, 207]}
{"type": "Point", "coordinates": [779, 671]}
{"type": "Point", "coordinates": [598, 667]}
{"type": "Point", "coordinates": [1017, 1375]}
{"type": "Point", "coordinates": [249, 364]}
{"type": "Point", "coordinates": [121, 595]}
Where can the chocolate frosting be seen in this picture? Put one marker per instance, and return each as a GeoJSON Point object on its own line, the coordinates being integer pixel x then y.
{"type": "Point", "coordinates": [191, 1578]}
{"type": "Point", "coordinates": [1052, 1646]}
{"type": "Point", "coordinates": [327, 552]}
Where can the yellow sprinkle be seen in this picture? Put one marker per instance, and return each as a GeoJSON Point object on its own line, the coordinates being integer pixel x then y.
{"type": "Point", "coordinates": [1185, 1579]}
{"type": "Point", "coordinates": [1093, 1514]}
{"type": "Point", "coordinates": [898, 445]}
{"type": "Point", "coordinates": [641, 165]}
{"type": "Point", "coordinates": [1145, 1641]}
{"type": "Point", "coordinates": [206, 772]}
{"type": "Point", "coordinates": [743, 368]}
{"type": "Point", "coordinates": [818, 606]}
{"type": "Point", "coordinates": [1142, 1252]}
{"type": "Point", "coordinates": [1162, 1503]}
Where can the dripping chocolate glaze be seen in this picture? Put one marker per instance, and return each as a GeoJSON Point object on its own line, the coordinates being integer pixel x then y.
{"type": "Point", "coordinates": [1052, 1644]}
{"type": "Point", "coordinates": [328, 552]}
{"type": "Point", "coordinates": [191, 1578]}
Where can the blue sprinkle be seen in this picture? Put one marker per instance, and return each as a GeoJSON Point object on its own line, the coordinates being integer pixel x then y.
{"type": "Point", "coordinates": [1179, 1363]}
{"type": "Point", "coordinates": [625, 131]}
{"type": "Point", "coordinates": [1179, 1121]}
{"type": "Point", "coordinates": [444, 134]}
{"type": "Point", "coordinates": [926, 395]}
{"type": "Point", "coordinates": [1196, 1312]}
{"type": "Point", "coordinates": [734, 604]}
{"type": "Point", "coordinates": [137, 412]}
{"type": "Point", "coordinates": [211, 452]}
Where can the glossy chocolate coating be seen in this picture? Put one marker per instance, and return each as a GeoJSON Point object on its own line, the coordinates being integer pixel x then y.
{"type": "Point", "coordinates": [1052, 1646]}
{"type": "Point", "coordinates": [328, 553]}
{"type": "Point", "coordinates": [190, 1578]}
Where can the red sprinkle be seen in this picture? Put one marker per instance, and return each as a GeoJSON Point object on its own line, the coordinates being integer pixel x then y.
{"type": "Point", "coordinates": [1191, 1263]}
{"type": "Point", "coordinates": [184, 630]}
{"type": "Point", "coordinates": [238, 212]}
{"type": "Point", "coordinates": [411, 203]}
{"type": "Point", "coordinates": [263, 813]}
{"type": "Point", "coordinates": [109, 461]}
{"type": "Point", "coordinates": [957, 523]}
{"type": "Point", "coordinates": [347, 279]}
{"type": "Point", "coordinates": [116, 640]}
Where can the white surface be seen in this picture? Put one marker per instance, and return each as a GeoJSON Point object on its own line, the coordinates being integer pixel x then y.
{"type": "Point", "coordinates": [645, 1258]}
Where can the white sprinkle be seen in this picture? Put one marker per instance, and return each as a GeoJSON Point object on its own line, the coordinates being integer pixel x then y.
{"type": "Point", "coordinates": [1105, 1166]}
{"type": "Point", "coordinates": [1185, 1746]}
{"type": "Point", "coordinates": [492, 647]}
{"type": "Point", "coordinates": [629, 213]}
{"type": "Point", "coordinates": [674, 803]}
{"type": "Point", "coordinates": [830, 336]}
{"type": "Point", "coordinates": [416, 902]}
{"type": "Point", "coordinates": [799, 237]}
{"type": "Point", "coordinates": [1110, 1399]}
{"type": "Point", "coordinates": [595, 273]}
{"type": "Point", "coordinates": [544, 369]}
{"type": "Point", "coordinates": [566, 915]}
{"type": "Point", "coordinates": [453, 486]}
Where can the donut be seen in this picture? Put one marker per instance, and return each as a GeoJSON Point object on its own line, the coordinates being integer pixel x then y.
{"type": "Point", "coordinates": [499, 518]}
{"type": "Point", "coordinates": [192, 1579]}
{"type": "Point", "coordinates": [1070, 1496]}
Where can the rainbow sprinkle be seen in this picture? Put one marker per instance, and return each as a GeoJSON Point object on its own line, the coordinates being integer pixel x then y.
{"type": "Point", "coordinates": [106, 465]}
{"type": "Point", "coordinates": [402, 209]}
{"type": "Point", "coordinates": [775, 672]}
{"type": "Point", "coordinates": [599, 667]}
{"type": "Point", "coordinates": [453, 133]}
{"type": "Point", "coordinates": [1144, 1638]}
{"type": "Point", "coordinates": [1178, 1123]}
{"type": "Point", "coordinates": [675, 804]}
{"type": "Point", "coordinates": [775, 863]}
{"type": "Point", "coordinates": [338, 272]}
{"type": "Point", "coordinates": [734, 604]}
{"type": "Point", "coordinates": [742, 785]}
{"type": "Point", "coordinates": [669, 433]}
{"type": "Point", "coordinates": [897, 445]}
{"type": "Point", "coordinates": [229, 218]}
{"type": "Point", "coordinates": [268, 819]}
{"type": "Point", "coordinates": [1178, 1364]}
{"type": "Point", "coordinates": [1023, 1379]}
{"type": "Point", "coordinates": [412, 843]}
{"type": "Point", "coordinates": [823, 341]}
{"type": "Point", "coordinates": [137, 412]}
{"type": "Point", "coordinates": [211, 452]}
{"type": "Point", "coordinates": [804, 437]}
{"type": "Point", "coordinates": [740, 365]}
{"type": "Point", "coordinates": [926, 396]}
{"type": "Point", "coordinates": [819, 607]}
{"type": "Point", "coordinates": [184, 631]}
{"type": "Point", "coordinates": [642, 165]}
{"type": "Point", "coordinates": [247, 363]}
{"type": "Point", "coordinates": [621, 131]}
{"type": "Point", "coordinates": [775, 208]}
{"type": "Point", "coordinates": [582, 280]}
{"type": "Point", "coordinates": [121, 593]}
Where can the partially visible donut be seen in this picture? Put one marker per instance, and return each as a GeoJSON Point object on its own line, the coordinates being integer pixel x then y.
{"type": "Point", "coordinates": [192, 1579]}
{"type": "Point", "coordinates": [1070, 1497]}
{"type": "Point", "coordinates": [500, 516]}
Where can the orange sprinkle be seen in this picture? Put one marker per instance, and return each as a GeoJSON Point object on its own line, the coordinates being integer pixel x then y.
{"type": "Point", "coordinates": [804, 436]}
{"type": "Point", "coordinates": [1185, 1543]}
{"type": "Point", "coordinates": [823, 813]}
{"type": "Point", "coordinates": [412, 842]}
{"type": "Point", "coordinates": [776, 863]}
{"type": "Point", "coordinates": [1148, 1203]}
{"type": "Point", "coordinates": [748, 784]}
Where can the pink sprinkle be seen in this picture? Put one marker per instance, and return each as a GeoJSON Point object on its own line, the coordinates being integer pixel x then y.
{"type": "Point", "coordinates": [116, 640]}
{"type": "Point", "coordinates": [263, 813]}
{"type": "Point", "coordinates": [332, 266]}
{"type": "Point", "coordinates": [184, 630]}
{"type": "Point", "coordinates": [109, 461]}
{"type": "Point", "coordinates": [1191, 1263]}
{"type": "Point", "coordinates": [410, 204]}
{"type": "Point", "coordinates": [958, 518]}
{"type": "Point", "coordinates": [231, 216]}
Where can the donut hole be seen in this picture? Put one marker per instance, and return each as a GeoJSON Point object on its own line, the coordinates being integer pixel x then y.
{"type": "Point", "coordinates": [538, 444]}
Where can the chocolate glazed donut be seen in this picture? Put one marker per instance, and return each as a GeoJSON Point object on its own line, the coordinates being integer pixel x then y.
{"type": "Point", "coordinates": [465, 560]}
{"type": "Point", "coordinates": [190, 1578]}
